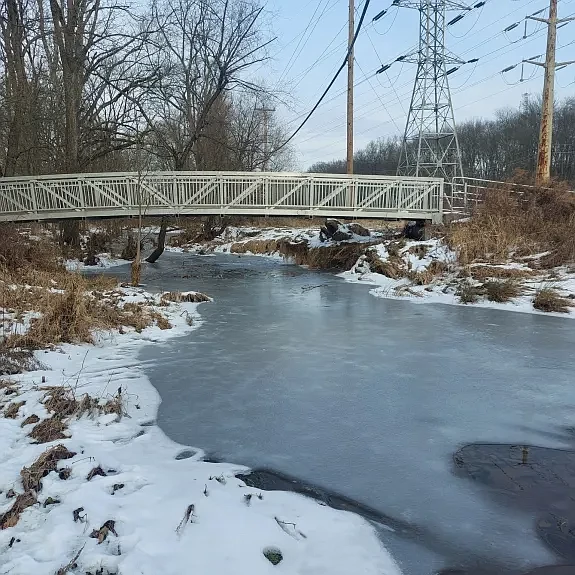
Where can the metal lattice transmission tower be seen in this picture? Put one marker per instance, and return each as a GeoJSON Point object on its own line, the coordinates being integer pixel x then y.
{"type": "Point", "coordinates": [430, 144]}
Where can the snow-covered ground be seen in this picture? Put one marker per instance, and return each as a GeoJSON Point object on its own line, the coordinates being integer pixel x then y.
{"type": "Point", "coordinates": [444, 288]}
{"type": "Point", "coordinates": [236, 235]}
{"type": "Point", "coordinates": [104, 260]}
{"type": "Point", "coordinates": [156, 508]}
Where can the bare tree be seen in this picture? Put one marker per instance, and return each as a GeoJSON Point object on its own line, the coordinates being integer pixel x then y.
{"type": "Point", "coordinates": [18, 47]}
{"type": "Point", "coordinates": [204, 49]}
{"type": "Point", "coordinates": [235, 137]}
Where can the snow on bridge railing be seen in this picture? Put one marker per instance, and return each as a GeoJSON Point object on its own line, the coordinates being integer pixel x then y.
{"type": "Point", "coordinates": [195, 193]}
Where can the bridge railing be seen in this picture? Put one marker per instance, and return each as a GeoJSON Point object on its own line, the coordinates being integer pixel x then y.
{"type": "Point", "coordinates": [463, 195]}
{"type": "Point", "coordinates": [181, 193]}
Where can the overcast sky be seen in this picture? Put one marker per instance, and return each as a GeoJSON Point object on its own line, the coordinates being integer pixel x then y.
{"type": "Point", "coordinates": [311, 44]}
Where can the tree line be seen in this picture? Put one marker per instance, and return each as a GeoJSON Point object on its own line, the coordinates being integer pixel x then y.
{"type": "Point", "coordinates": [99, 85]}
{"type": "Point", "coordinates": [490, 148]}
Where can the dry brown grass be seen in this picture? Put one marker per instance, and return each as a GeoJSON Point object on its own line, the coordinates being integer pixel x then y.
{"type": "Point", "coordinates": [32, 278]}
{"type": "Point", "coordinates": [62, 403]}
{"type": "Point", "coordinates": [393, 267]}
{"type": "Point", "coordinates": [418, 250]}
{"type": "Point", "coordinates": [518, 222]}
{"type": "Point", "coordinates": [49, 430]}
{"type": "Point", "coordinates": [161, 320]}
{"type": "Point", "coordinates": [136, 273]}
{"type": "Point", "coordinates": [550, 300]}
{"type": "Point", "coordinates": [340, 257]}
{"type": "Point", "coordinates": [11, 412]}
{"type": "Point", "coordinates": [256, 247]}
{"type": "Point", "coordinates": [74, 313]}
{"type": "Point", "coordinates": [19, 252]}
{"type": "Point", "coordinates": [467, 292]}
{"type": "Point", "coordinates": [32, 483]}
{"type": "Point", "coordinates": [30, 420]}
{"type": "Point", "coordinates": [337, 257]}
{"type": "Point", "coordinates": [12, 516]}
{"type": "Point", "coordinates": [427, 276]}
{"type": "Point", "coordinates": [484, 272]}
{"type": "Point", "coordinates": [502, 291]}
{"type": "Point", "coordinates": [47, 462]}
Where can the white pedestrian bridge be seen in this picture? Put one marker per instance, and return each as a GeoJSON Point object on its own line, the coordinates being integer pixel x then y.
{"type": "Point", "coordinates": [59, 197]}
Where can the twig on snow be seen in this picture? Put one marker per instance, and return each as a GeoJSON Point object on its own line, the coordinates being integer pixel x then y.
{"type": "Point", "coordinates": [188, 517]}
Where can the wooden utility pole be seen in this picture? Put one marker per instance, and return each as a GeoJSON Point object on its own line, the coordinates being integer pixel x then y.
{"type": "Point", "coordinates": [543, 174]}
{"type": "Point", "coordinates": [265, 111]}
{"type": "Point", "coordinates": [351, 34]}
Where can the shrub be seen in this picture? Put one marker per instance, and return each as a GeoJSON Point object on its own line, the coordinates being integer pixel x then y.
{"type": "Point", "coordinates": [519, 221]}
{"type": "Point", "coordinates": [501, 291]}
{"type": "Point", "coordinates": [467, 292]}
{"type": "Point", "coordinates": [549, 300]}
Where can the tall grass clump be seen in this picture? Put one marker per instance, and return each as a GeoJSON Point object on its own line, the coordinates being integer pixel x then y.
{"type": "Point", "coordinates": [519, 222]}
{"type": "Point", "coordinates": [68, 307]}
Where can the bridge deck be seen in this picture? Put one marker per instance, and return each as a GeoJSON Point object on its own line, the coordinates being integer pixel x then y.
{"type": "Point", "coordinates": [219, 193]}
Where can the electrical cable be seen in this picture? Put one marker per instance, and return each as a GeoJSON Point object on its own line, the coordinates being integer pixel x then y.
{"type": "Point", "coordinates": [382, 103]}
{"type": "Point", "coordinates": [321, 57]}
{"type": "Point", "coordinates": [304, 33]}
{"type": "Point", "coordinates": [464, 86]}
{"type": "Point", "coordinates": [472, 27]}
{"type": "Point", "coordinates": [349, 50]}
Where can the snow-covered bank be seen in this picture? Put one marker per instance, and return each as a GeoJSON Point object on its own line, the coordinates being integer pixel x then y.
{"type": "Point", "coordinates": [104, 261]}
{"type": "Point", "coordinates": [420, 271]}
{"type": "Point", "coordinates": [235, 239]}
{"type": "Point", "coordinates": [428, 272]}
{"type": "Point", "coordinates": [150, 506]}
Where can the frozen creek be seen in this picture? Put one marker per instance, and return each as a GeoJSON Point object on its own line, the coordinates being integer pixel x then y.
{"type": "Point", "coordinates": [305, 374]}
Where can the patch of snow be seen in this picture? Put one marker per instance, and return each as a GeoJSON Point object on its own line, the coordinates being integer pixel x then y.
{"type": "Point", "coordinates": [443, 289]}
{"type": "Point", "coordinates": [105, 261]}
{"type": "Point", "coordinates": [12, 323]}
{"type": "Point", "coordinates": [223, 533]}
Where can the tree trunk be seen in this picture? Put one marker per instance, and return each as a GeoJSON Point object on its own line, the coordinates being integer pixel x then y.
{"type": "Point", "coordinates": [153, 257]}
{"type": "Point", "coordinates": [70, 233]}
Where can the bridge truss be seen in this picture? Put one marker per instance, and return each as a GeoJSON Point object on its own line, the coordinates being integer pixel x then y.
{"type": "Point", "coordinates": [220, 193]}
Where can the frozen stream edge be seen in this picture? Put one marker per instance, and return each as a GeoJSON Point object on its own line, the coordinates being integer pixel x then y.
{"type": "Point", "coordinates": [228, 531]}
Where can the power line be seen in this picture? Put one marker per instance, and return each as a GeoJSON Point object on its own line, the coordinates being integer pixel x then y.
{"type": "Point", "coordinates": [473, 48]}
{"type": "Point", "coordinates": [292, 58]}
{"type": "Point", "coordinates": [349, 51]}
{"type": "Point", "coordinates": [381, 101]}
{"type": "Point", "coordinates": [465, 86]}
